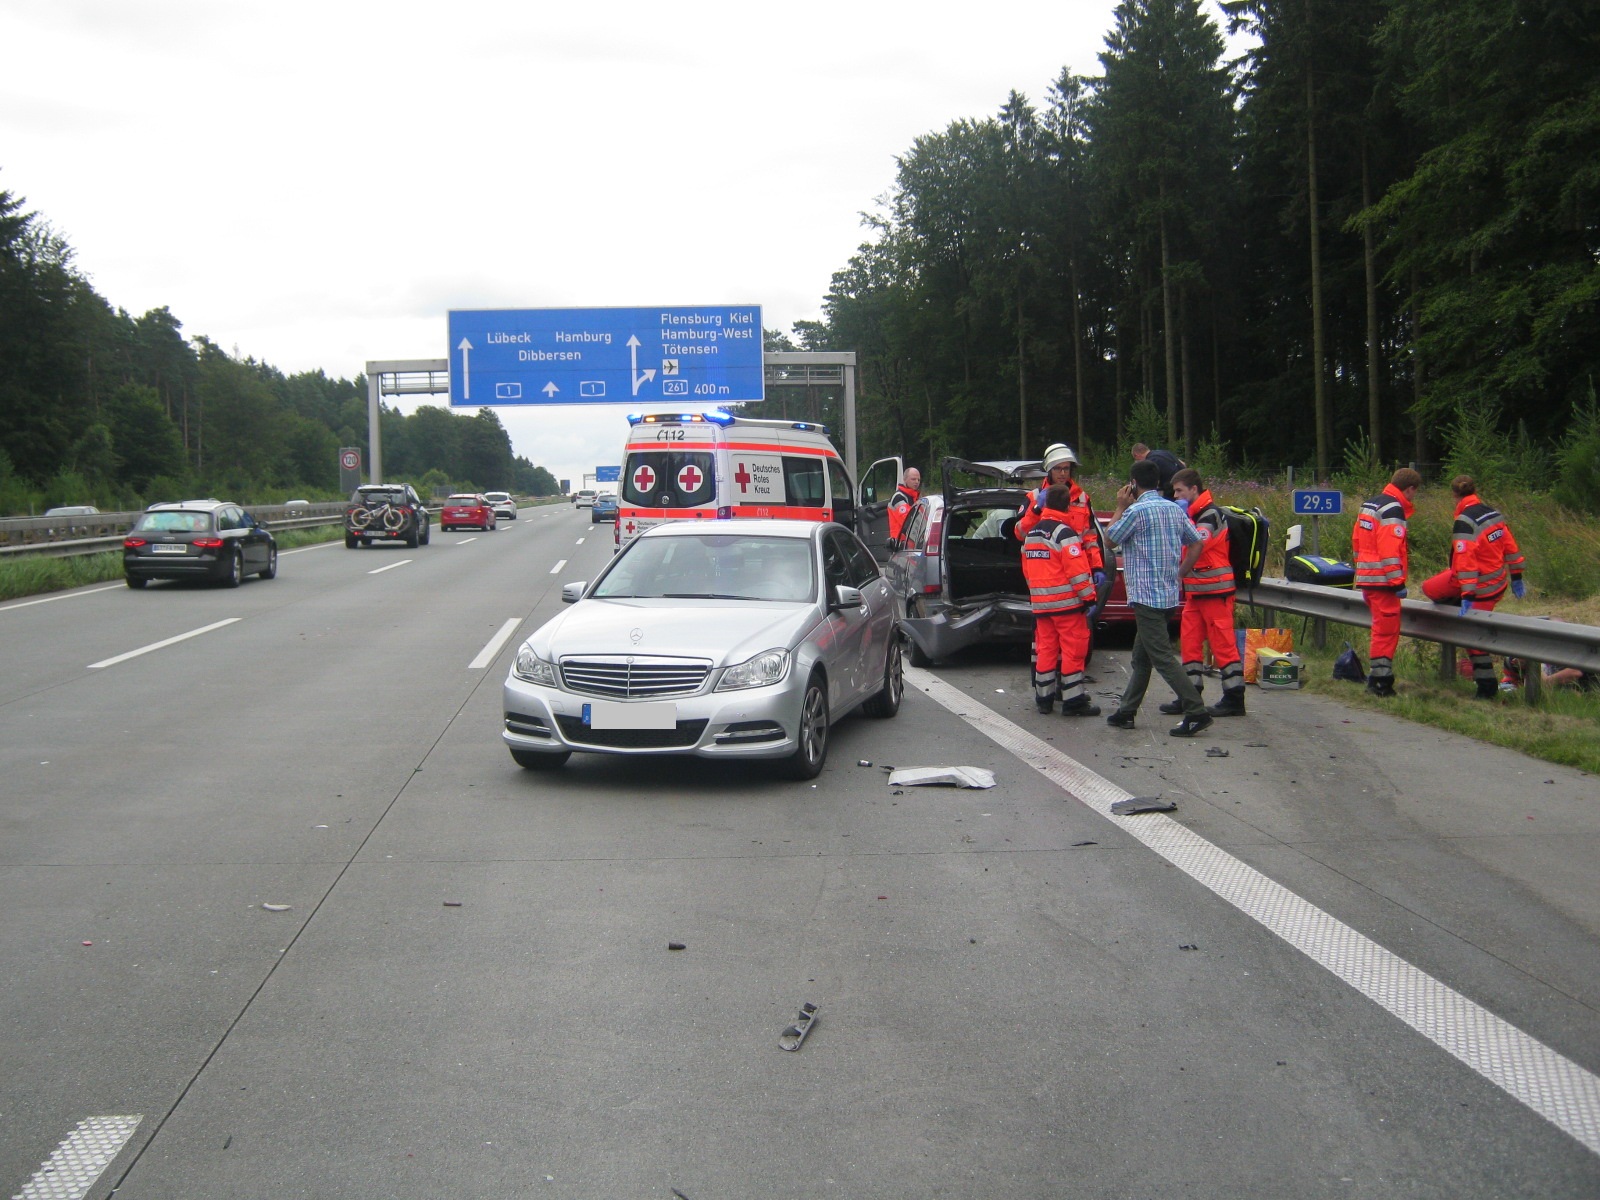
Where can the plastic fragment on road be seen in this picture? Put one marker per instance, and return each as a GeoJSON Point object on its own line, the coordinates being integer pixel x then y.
{"type": "Point", "coordinates": [791, 1037]}
{"type": "Point", "coordinates": [1216, 752]}
{"type": "Point", "coordinates": [277, 907]}
{"type": "Point", "coordinates": [677, 946]}
{"type": "Point", "coordinates": [962, 777]}
{"type": "Point", "coordinates": [1142, 804]}
{"type": "Point", "coordinates": [863, 762]}
{"type": "Point", "coordinates": [452, 904]}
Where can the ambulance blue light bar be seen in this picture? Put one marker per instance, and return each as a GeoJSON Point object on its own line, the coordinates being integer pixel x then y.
{"type": "Point", "coordinates": [716, 416]}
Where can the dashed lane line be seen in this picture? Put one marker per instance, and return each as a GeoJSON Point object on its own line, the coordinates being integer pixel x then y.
{"type": "Point", "coordinates": [488, 653]}
{"type": "Point", "coordinates": [161, 645]}
{"type": "Point", "coordinates": [1555, 1087]}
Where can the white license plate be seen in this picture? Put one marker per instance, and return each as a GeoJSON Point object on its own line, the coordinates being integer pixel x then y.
{"type": "Point", "coordinates": [604, 714]}
{"type": "Point", "coordinates": [164, 549]}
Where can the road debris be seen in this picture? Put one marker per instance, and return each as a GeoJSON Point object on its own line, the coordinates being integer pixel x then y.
{"type": "Point", "coordinates": [962, 777]}
{"type": "Point", "coordinates": [791, 1037]}
{"type": "Point", "coordinates": [863, 762]}
{"type": "Point", "coordinates": [277, 907]}
{"type": "Point", "coordinates": [677, 946]}
{"type": "Point", "coordinates": [1216, 752]}
{"type": "Point", "coordinates": [1142, 804]}
{"type": "Point", "coordinates": [452, 904]}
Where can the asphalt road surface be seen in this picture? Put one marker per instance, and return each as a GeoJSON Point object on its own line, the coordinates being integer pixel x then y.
{"type": "Point", "coordinates": [281, 918]}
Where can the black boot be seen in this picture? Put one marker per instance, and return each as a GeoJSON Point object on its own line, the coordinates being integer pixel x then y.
{"type": "Point", "coordinates": [1045, 706]}
{"type": "Point", "coordinates": [1081, 707]}
{"type": "Point", "coordinates": [1487, 690]}
{"type": "Point", "coordinates": [1173, 708]}
{"type": "Point", "coordinates": [1380, 686]}
{"type": "Point", "coordinates": [1231, 704]}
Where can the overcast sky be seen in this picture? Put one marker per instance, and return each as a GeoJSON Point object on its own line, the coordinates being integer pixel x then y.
{"type": "Point", "coordinates": [316, 183]}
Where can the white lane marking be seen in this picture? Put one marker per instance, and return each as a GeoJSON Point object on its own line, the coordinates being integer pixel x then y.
{"type": "Point", "coordinates": [79, 1161]}
{"type": "Point", "coordinates": [1553, 1086]}
{"type": "Point", "coordinates": [63, 596]}
{"type": "Point", "coordinates": [303, 549]}
{"type": "Point", "coordinates": [390, 567]}
{"type": "Point", "coordinates": [464, 541]}
{"type": "Point", "coordinates": [487, 654]}
{"type": "Point", "coordinates": [558, 566]}
{"type": "Point", "coordinates": [580, 541]}
{"type": "Point", "coordinates": [171, 641]}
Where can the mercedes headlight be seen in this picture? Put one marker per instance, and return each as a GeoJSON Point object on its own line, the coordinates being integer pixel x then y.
{"type": "Point", "coordinates": [533, 668]}
{"type": "Point", "coordinates": [763, 670]}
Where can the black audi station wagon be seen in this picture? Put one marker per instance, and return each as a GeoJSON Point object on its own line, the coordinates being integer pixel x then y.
{"type": "Point", "coordinates": [198, 539]}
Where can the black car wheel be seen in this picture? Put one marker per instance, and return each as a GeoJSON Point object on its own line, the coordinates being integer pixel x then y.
{"type": "Point", "coordinates": [137, 581]}
{"type": "Point", "coordinates": [427, 534]}
{"type": "Point", "coordinates": [352, 542]}
{"type": "Point", "coordinates": [812, 752]}
{"type": "Point", "coordinates": [234, 571]}
{"type": "Point", "coordinates": [533, 760]}
{"type": "Point", "coordinates": [886, 702]}
{"type": "Point", "coordinates": [270, 571]}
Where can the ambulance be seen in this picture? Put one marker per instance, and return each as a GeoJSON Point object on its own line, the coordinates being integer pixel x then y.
{"type": "Point", "coordinates": [716, 465]}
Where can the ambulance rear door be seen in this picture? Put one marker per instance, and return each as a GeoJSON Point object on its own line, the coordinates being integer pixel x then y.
{"type": "Point", "coordinates": [666, 481]}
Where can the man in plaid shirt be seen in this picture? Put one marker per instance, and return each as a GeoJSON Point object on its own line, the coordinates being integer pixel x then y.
{"type": "Point", "coordinates": [1159, 547]}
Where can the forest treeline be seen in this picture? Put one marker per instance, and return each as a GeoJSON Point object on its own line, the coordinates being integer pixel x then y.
{"type": "Point", "coordinates": [101, 407]}
{"type": "Point", "coordinates": [1371, 240]}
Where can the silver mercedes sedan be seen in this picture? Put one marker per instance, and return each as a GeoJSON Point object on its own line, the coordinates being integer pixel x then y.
{"type": "Point", "coordinates": [731, 639]}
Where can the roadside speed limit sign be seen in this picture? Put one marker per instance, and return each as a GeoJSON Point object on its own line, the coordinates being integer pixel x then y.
{"type": "Point", "coordinates": [350, 460]}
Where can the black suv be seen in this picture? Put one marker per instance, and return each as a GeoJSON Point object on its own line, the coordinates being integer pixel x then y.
{"type": "Point", "coordinates": [386, 512]}
{"type": "Point", "coordinates": [198, 539]}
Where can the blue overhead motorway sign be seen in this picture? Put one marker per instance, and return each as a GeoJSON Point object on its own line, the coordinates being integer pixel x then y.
{"type": "Point", "coordinates": [707, 354]}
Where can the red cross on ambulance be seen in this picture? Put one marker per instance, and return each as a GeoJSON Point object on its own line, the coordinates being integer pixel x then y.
{"type": "Point", "coordinates": [690, 479]}
{"type": "Point", "coordinates": [644, 479]}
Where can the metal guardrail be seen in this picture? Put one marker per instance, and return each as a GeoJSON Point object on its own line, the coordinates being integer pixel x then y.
{"type": "Point", "coordinates": [63, 537]}
{"type": "Point", "coordinates": [1529, 638]}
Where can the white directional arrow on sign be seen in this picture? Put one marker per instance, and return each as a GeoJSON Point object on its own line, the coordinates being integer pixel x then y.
{"type": "Point", "coordinates": [466, 379]}
{"type": "Point", "coordinates": [633, 358]}
{"type": "Point", "coordinates": [550, 389]}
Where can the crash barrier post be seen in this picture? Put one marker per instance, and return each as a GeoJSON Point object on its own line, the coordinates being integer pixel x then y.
{"type": "Point", "coordinates": [1531, 639]}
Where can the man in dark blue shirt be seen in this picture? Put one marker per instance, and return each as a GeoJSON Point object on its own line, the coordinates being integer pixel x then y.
{"type": "Point", "coordinates": [1167, 463]}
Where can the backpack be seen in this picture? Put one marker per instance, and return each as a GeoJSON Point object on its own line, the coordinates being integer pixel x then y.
{"type": "Point", "coordinates": [1247, 543]}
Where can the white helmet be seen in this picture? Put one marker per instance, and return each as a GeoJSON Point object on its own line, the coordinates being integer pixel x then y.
{"type": "Point", "coordinates": [1056, 455]}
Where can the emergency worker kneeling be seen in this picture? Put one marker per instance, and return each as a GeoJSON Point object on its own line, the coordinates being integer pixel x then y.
{"type": "Point", "coordinates": [1061, 585]}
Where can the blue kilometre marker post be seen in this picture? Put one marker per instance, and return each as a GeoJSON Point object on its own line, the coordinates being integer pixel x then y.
{"type": "Point", "coordinates": [706, 354]}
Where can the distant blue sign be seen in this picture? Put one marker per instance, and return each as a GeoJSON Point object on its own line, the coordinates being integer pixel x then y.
{"type": "Point", "coordinates": [708, 355]}
{"type": "Point", "coordinates": [607, 474]}
{"type": "Point", "coordinates": [1308, 503]}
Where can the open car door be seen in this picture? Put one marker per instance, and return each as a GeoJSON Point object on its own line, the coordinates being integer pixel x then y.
{"type": "Point", "coordinates": [873, 494]}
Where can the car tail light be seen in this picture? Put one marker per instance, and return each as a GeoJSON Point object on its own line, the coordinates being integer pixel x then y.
{"type": "Point", "coordinates": [935, 536]}
{"type": "Point", "coordinates": [132, 543]}
{"type": "Point", "coordinates": [207, 543]}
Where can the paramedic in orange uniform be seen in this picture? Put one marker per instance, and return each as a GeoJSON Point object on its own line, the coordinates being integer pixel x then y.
{"type": "Point", "coordinates": [1062, 589]}
{"type": "Point", "coordinates": [1484, 562]}
{"type": "Point", "coordinates": [904, 497]}
{"type": "Point", "coordinates": [1061, 467]}
{"type": "Point", "coordinates": [1378, 544]}
{"type": "Point", "coordinates": [1208, 601]}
